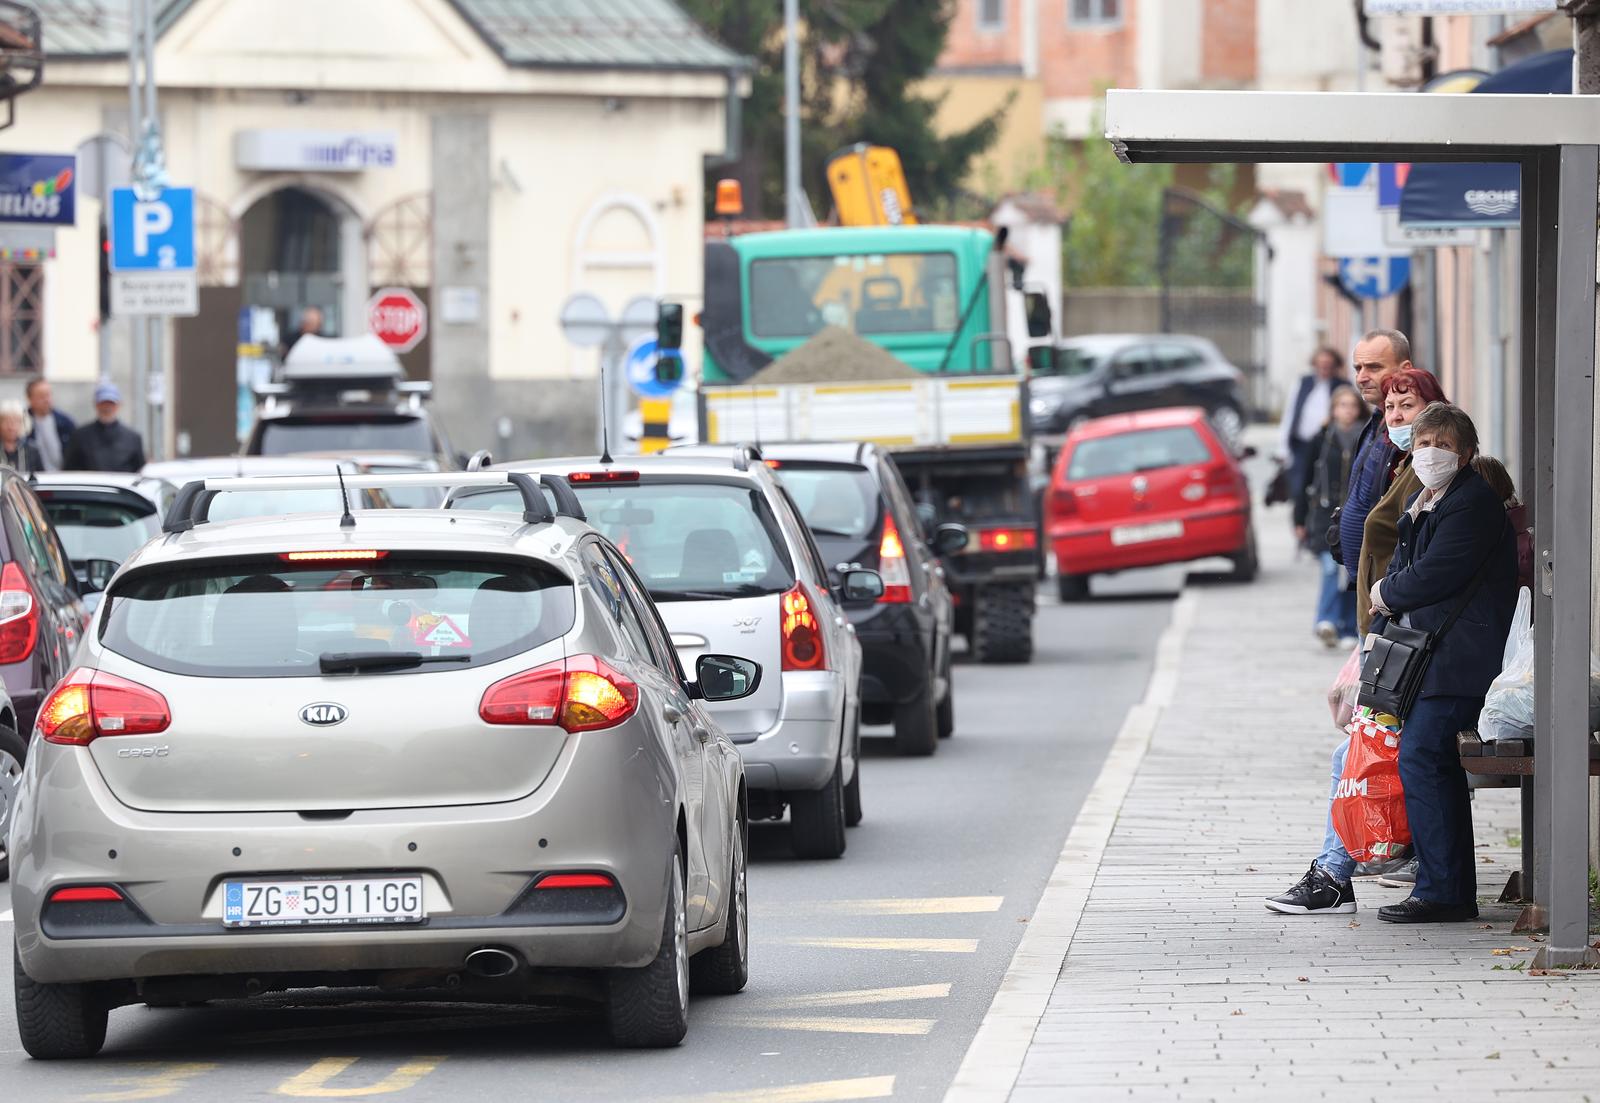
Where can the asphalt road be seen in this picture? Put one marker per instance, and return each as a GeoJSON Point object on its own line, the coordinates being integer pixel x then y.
{"type": "Point", "coordinates": [869, 975]}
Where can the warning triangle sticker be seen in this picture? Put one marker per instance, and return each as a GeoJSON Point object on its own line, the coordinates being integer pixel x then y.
{"type": "Point", "coordinates": [446, 634]}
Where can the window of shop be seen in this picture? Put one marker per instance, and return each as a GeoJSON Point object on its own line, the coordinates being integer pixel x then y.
{"type": "Point", "coordinates": [991, 15]}
{"type": "Point", "coordinates": [21, 319]}
{"type": "Point", "coordinates": [1095, 13]}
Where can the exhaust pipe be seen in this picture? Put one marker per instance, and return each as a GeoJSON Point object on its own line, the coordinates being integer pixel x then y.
{"type": "Point", "coordinates": [490, 961]}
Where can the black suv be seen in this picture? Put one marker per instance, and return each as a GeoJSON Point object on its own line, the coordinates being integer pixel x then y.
{"type": "Point", "coordinates": [862, 516]}
{"type": "Point", "coordinates": [1101, 374]}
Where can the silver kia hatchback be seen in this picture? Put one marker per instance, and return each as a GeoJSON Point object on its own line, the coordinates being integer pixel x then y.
{"type": "Point", "coordinates": [445, 751]}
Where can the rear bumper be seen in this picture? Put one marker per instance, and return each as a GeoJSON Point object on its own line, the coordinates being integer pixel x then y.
{"type": "Point", "coordinates": [799, 751]}
{"type": "Point", "coordinates": [602, 808]}
{"type": "Point", "coordinates": [1087, 549]}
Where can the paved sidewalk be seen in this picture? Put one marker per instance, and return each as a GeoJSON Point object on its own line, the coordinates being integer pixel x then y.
{"type": "Point", "coordinates": [1177, 983]}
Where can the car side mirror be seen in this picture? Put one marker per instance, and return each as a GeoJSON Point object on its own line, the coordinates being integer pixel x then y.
{"type": "Point", "coordinates": [861, 587]}
{"type": "Point", "coordinates": [726, 677]}
{"type": "Point", "coordinates": [1036, 305]}
{"type": "Point", "coordinates": [1248, 452]}
{"type": "Point", "coordinates": [950, 539]}
{"type": "Point", "coordinates": [95, 575]}
{"type": "Point", "coordinates": [1042, 359]}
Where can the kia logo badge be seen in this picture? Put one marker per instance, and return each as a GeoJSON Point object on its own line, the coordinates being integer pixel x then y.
{"type": "Point", "coordinates": [323, 714]}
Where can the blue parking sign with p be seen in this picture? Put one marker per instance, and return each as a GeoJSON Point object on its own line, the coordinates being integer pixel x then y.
{"type": "Point", "coordinates": [152, 235]}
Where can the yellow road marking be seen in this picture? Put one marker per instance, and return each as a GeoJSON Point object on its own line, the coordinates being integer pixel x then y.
{"type": "Point", "coordinates": [832, 1024]}
{"type": "Point", "coordinates": [862, 996]}
{"type": "Point", "coordinates": [910, 905]}
{"type": "Point", "coordinates": [313, 1083]}
{"type": "Point", "coordinates": [909, 945]}
{"type": "Point", "coordinates": [820, 1091]}
{"type": "Point", "coordinates": [162, 1079]}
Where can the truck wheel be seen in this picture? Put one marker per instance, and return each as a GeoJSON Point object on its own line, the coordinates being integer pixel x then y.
{"type": "Point", "coordinates": [649, 1008]}
{"type": "Point", "coordinates": [852, 792]}
{"type": "Point", "coordinates": [57, 1021]}
{"type": "Point", "coordinates": [816, 819]}
{"type": "Point", "coordinates": [1072, 587]}
{"type": "Point", "coordinates": [1247, 561]}
{"type": "Point", "coordinates": [916, 725]}
{"type": "Point", "coordinates": [724, 970]}
{"type": "Point", "coordinates": [1002, 629]}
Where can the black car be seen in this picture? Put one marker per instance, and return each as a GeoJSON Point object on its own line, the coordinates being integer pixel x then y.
{"type": "Point", "coordinates": [1101, 374]}
{"type": "Point", "coordinates": [862, 516]}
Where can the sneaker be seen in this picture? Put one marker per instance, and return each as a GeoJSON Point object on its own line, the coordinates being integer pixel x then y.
{"type": "Point", "coordinates": [1403, 878]}
{"type": "Point", "coordinates": [1327, 633]}
{"type": "Point", "coordinates": [1315, 893]}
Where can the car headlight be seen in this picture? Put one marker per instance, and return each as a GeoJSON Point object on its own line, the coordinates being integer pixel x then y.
{"type": "Point", "coordinates": [1041, 407]}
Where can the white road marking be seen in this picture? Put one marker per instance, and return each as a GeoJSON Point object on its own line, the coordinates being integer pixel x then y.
{"type": "Point", "coordinates": [5, 916]}
{"type": "Point", "coordinates": [926, 905]}
{"type": "Point", "coordinates": [907, 945]}
{"type": "Point", "coordinates": [861, 996]}
{"type": "Point", "coordinates": [820, 1091]}
{"type": "Point", "coordinates": [838, 1024]}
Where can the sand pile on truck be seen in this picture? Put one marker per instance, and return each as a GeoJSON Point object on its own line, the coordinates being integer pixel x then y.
{"type": "Point", "coordinates": [835, 355]}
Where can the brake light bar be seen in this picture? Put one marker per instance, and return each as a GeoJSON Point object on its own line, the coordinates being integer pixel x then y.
{"type": "Point", "coordinates": [331, 554]}
{"type": "Point", "coordinates": [606, 476]}
{"type": "Point", "coordinates": [1007, 539]}
{"type": "Point", "coordinates": [84, 894]}
{"type": "Point", "coordinates": [576, 881]}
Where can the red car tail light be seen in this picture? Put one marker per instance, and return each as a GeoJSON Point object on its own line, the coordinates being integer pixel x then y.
{"type": "Point", "coordinates": [607, 476]}
{"type": "Point", "coordinates": [331, 554]}
{"type": "Point", "coordinates": [576, 881]}
{"type": "Point", "coordinates": [892, 566]}
{"type": "Point", "coordinates": [579, 693]}
{"type": "Point", "coordinates": [91, 703]}
{"type": "Point", "coordinates": [19, 615]}
{"type": "Point", "coordinates": [1061, 503]}
{"type": "Point", "coordinates": [802, 635]}
{"type": "Point", "coordinates": [1007, 540]}
{"type": "Point", "coordinates": [1224, 478]}
{"type": "Point", "coordinates": [84, 894]}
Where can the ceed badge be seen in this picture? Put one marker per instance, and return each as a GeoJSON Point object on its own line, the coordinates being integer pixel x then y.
{"type": "Point", "coordinates": [324, 714]}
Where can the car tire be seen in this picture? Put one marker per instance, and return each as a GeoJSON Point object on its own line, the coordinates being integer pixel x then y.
{"type": "Point", "coordinates": [945, 715]}
{"type": "Point", "coordinates": [12, 751]}
{"type": "Point", "coordinates": [648, 1008]}
{"type": "Point", "coordinates": [58, 1021]}
{"type": "Point", "coordinates": [724, 970]}
{"type": "Point", "coordinates": [1229, 423]}
{"type": "Point", "coordinates": [1002, 624]}
{"type": "Point", "coordinates": [1072, 587]}
{"type": "Point", "coordinates": [816, 819]}
{"type": "Point", "coordinates": [852, 791]}
{"type": "Point", "coordinates": [1247, 561]}
{"type": "Point", "coordinates": [916, 724]}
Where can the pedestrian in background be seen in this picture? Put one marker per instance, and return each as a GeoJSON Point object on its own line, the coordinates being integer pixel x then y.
{"type": "Point", "coordinates": [1455, 564]}
{"type": "Point", "coordinates": [105, 444]}
{"type": "Point", "coordinates": [1499, 479]}
{"type": "Point", "coordinates": [51, 429]}
{"type": "Point", "coordinates": [310, 323]}
{"type": "Point", "coordinates": [1304, 418]}
{"type": "Point", "coordinates": [15, 451]}
{"type": "Point", "coordinates": [1331, 454]}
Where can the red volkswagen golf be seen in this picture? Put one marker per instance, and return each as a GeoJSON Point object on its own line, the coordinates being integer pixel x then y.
{"type": "Point", "coordinates": [1144, 489]}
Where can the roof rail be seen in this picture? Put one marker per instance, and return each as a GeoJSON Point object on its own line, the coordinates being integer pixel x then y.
{"type": "Point", "coordinates": [191, 506]}
{"type": "Point", "coordinates": [743, 452]}
{"type": "Point", "coordinates": [567, 504]}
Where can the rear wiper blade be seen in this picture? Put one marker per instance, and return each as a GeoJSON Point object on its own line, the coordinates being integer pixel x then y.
{"type": "Point", "coordinates": [815, 531]}
{"type": "Point", "coordinates": [352, 662]}
{"type": "Point", "coordinates": [689, 595]}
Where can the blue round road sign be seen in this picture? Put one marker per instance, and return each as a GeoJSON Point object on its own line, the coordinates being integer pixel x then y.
{"type": "Point", "coordinates": [1374, 277]}
{"type": "Point", "coordinates": [641, 371]}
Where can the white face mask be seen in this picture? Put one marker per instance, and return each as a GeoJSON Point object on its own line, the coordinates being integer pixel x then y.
{"type": "Point", "coordinates": [1435, 466]}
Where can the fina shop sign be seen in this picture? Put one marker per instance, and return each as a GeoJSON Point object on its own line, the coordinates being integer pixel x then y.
{"type": "Point", "coordinates": [1456, 7]}
{"type": "Point", "coordinates": [314, 150]}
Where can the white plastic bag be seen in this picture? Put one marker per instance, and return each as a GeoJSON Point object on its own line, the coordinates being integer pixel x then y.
{"type": "Point", "coordinates": [1508, 706]}
{"type": "Point", "coordinates": [1345, 689]}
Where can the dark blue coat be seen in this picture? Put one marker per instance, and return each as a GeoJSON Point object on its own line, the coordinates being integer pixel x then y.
{"type": "Point", "coordinates": [1436, 559]}
{"type": "Point", "coordinates": [1369, 478]}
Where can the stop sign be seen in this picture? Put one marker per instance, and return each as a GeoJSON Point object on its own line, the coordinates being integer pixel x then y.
{"type": "Point", "coordinates": [397, 318]}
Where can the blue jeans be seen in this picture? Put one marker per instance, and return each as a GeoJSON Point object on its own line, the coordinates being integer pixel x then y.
{"type": "Point", "coordinates": [1335, 860]}
{"type": "Point", "coordinates": [1438, 804]}
{"type": "Point", "coordinates": [1336, 605]}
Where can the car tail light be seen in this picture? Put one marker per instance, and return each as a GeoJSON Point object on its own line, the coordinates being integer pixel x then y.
{"type": "Point", "coordinates": [1007, 540]}
{"type": "Point", "coordinates": [91, 703]}
{"type": "Point", "coordinates": [892, 566]}
{"type": "Point", "coordinates": [1224, 479]}
{"type": "Point", "coordinates": [603, 477]}
{"type": "Point", "coordinates": [331, 554]}
{"type": "Point", "coordinates": [83, 894]}
{"type": "Point", "coordinates": [802, 634]}
{"type": "Point", "coordinates": [576, 881]}
{"type": "Point", "coordinates": [19, 615]}
{"type": "Point", "coordinates": [579, 693]}
{"type": "Point", "coordinates": [1062, 503]}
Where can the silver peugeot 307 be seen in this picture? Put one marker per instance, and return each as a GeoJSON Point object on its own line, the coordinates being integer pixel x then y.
{"type": "Point", "coordinates": [398, 748]}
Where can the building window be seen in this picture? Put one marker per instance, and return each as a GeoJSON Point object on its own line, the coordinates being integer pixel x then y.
{"type": "Point", "coordinates": [1097, 13]}
{"type": "Point", "coordinates": [991, 15]}
{"type": "Point", "coordinates": [21, 319]}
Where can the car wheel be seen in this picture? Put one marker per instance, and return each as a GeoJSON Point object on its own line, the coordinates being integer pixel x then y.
{"type": "Point", "coordinates": [852, 792]}
{"type": "Point", "coordinates": [724, 970]}
{"type": "Point", "coordinates": [1072, 587]}
{"type": "Point", "coordinates": [12, 752]}
{"type": "Point", "coordinates": [57, 1021]}
{"type": "Point", "coordinates": [916, 724]}
{"type": "Point", "coordinates": [1247, 562]}
{"type": "Point", "coordinates": [816, 819]}
{"type": "Point", "coordinates": [1230, 425]}
{"type": "Point", "coordinates": [649, 1008]}
{"type": "Point", "coordinates": [945, 715]}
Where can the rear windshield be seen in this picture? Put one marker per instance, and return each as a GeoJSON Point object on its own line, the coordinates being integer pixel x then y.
{"type": "Point", "coordinates": [266, 618]}
{"type": "Point", "coordinates": [835, 500]}
{"type": "Point", "coordinates": [101, 530]}
{"type": "Point", "coordinates": [1140, 450]}
{"type": "Point", "coordinates": [358, 433]}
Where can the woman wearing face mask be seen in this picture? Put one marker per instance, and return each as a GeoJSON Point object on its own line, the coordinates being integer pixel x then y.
{"type": "Point", "coordinates": [1455, 550]}
{"type": "Point", "coordinates": [1405, 395]}
{"type": "Point", "coordinates": [1328, 461]}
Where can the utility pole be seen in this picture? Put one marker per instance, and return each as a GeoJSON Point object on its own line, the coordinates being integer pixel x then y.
{"type": "Point", "coordinates": [1586, 42]}
{"type": "Point", "coordinates": [149, 177]}
{"type": "Point", "coordinates": [793, 197]}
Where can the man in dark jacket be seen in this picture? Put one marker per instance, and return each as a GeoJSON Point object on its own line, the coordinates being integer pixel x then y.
{"type": "Point", "coordinates": [1378, 355]}
{"type": "Point", "coordinates": [1456, 551]}
{"type": "Point", "coordinates": [52, 429]}
{"type": "Point", "coordinates": [105, 444]}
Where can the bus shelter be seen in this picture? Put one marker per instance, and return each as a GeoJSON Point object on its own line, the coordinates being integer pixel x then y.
{"type": "Point", "coordinates": [1553, 139]}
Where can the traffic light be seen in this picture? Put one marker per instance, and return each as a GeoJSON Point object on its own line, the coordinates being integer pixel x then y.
{"type": "Point", "coordinates": [669, 367]}
{"type": "Point", "coordinates": [669, 326]}
{"type": "Point", "coordinates": [105, 273]}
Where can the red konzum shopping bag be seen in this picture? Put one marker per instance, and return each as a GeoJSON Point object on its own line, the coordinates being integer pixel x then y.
{"type": "Point", "coordinates": [1369, 808]}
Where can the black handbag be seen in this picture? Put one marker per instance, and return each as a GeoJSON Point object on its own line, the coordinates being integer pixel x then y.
{"type": "Point", "coordinates": [1393, 670]}
{"type": "Point", "coordinates": [1278, 488]}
